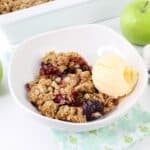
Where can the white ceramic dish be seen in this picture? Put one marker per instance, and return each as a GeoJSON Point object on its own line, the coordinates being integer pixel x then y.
{"type": "Point", "coordinates": [86, 40]}
{"type": "Point", "coordinates": [21, 24]}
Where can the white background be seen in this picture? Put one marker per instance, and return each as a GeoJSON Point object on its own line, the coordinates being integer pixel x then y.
{"type": "Point", "coordinates": [20, 132]}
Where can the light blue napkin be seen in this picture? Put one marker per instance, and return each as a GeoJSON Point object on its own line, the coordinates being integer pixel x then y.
{"type": "Point", "coordinates": [119, 135]}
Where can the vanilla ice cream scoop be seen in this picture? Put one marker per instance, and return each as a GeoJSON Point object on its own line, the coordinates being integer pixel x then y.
{"type": "Point", "coordinates": [113, 76]}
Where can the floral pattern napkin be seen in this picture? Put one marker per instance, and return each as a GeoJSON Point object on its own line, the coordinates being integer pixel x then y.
{"type": "Point", "coordinates": [118, 136]}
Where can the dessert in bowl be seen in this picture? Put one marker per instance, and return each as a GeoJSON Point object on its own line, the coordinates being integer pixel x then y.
{"type": "Point", "coordinates": [62, 89]}
{"type": "Point", "coordinates": [65, 86]}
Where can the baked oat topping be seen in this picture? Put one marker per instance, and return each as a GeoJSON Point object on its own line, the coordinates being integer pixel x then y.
{"type": "Point", "coordinates": [64, 90]}
{"type": "Point", "coordinates": [7, 6]}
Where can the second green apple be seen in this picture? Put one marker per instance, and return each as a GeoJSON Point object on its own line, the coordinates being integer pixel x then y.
{"type": "Point", "coordinates": [135, 22]}
{"type": "Point", "coordinates": [1, 71]}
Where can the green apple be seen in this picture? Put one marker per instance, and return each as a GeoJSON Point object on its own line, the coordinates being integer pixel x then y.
{"type": "Point", "coordinates": [135, 22]}
{"type": "Point", "coordinates": [1, 71]}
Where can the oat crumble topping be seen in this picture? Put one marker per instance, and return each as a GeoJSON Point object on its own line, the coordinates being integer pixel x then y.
{"type": "Point", "coordinates": [64, 90]}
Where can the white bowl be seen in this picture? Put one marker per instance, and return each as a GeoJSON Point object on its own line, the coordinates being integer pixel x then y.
{"type": "Point", "coordinates": [86, 40]}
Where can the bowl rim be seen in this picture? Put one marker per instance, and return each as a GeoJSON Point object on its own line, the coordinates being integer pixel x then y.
{"type": "Point", "coordinates": [105, 121]}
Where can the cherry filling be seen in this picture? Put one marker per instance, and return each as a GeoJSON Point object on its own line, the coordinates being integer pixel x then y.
{"type": "Point", "coordinates": [27, 86]}
{"type": "Point", "coordinates": [90, 107]}
{"type": "Point", "coordinates": [83, 64]}
{"type": "Point", "coordinates": [60, 99]}
{"type": "Point", "coordinates": [116, 102]}
{"type": "Point", "coordinates": [76, 98]}
{"type": "Point", "coordinates": [70, 70]}
{"type": "Point", "coordinates": [49, 69]}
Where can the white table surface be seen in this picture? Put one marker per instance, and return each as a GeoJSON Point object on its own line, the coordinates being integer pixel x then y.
{"type": "Point", "coordinates": [20, 132]}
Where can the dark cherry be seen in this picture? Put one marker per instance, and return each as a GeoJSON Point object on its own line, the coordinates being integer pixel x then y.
{"type": "Point", "coordinates": [76, 99]}
{"type": "Point", "coordinates": [78, 60]}
{"type": "Point", "coordinates": [27, 86]}
{"type": "Point", "coordinates": [116, 101]}
{"type": "Point", "coordinates": [42, 72]}
{"type": "Point", "coordinates": [70, 70]}
{"type": "Point", "coordinates": [43, 64]}
{"type": "Point", "coordinates": [49, 69]}
{"type": "Point", "coordinates": [60, 99]}
{"type": "Point", "coordinates": [76, 103]}
{"type": "Point", "coordinates": [75, 94]}
{"type": "Point", "coordinates": [82, 61]}
{"type": "Point", "coordinates": [52, 71]}
{"type": "Point", "coordinates": [90, 107]}
{"type": "Point", "coordinates": [66, 72]}
{"type": "Point", "coordinates": [83, 64]}
{"type": "Point", "coordinates": [46, 66]}
{"type": "Point", "coordinates": [85, 68]}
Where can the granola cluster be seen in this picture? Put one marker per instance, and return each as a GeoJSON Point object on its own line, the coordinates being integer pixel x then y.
{"type": "Point", "coordinates": [7, 6]}
{"type": "Point", "coordinates": [64, 90]}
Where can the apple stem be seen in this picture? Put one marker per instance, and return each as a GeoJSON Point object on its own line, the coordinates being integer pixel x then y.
{"type": "Point", "coordinates": [145, 5]}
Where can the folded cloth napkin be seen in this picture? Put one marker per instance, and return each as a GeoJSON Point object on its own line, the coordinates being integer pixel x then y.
{"type": "Point", "coordinates": [119, 135]}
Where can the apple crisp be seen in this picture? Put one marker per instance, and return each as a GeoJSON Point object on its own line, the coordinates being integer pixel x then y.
{"type": "Point", "coordinates": [64, 90]}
